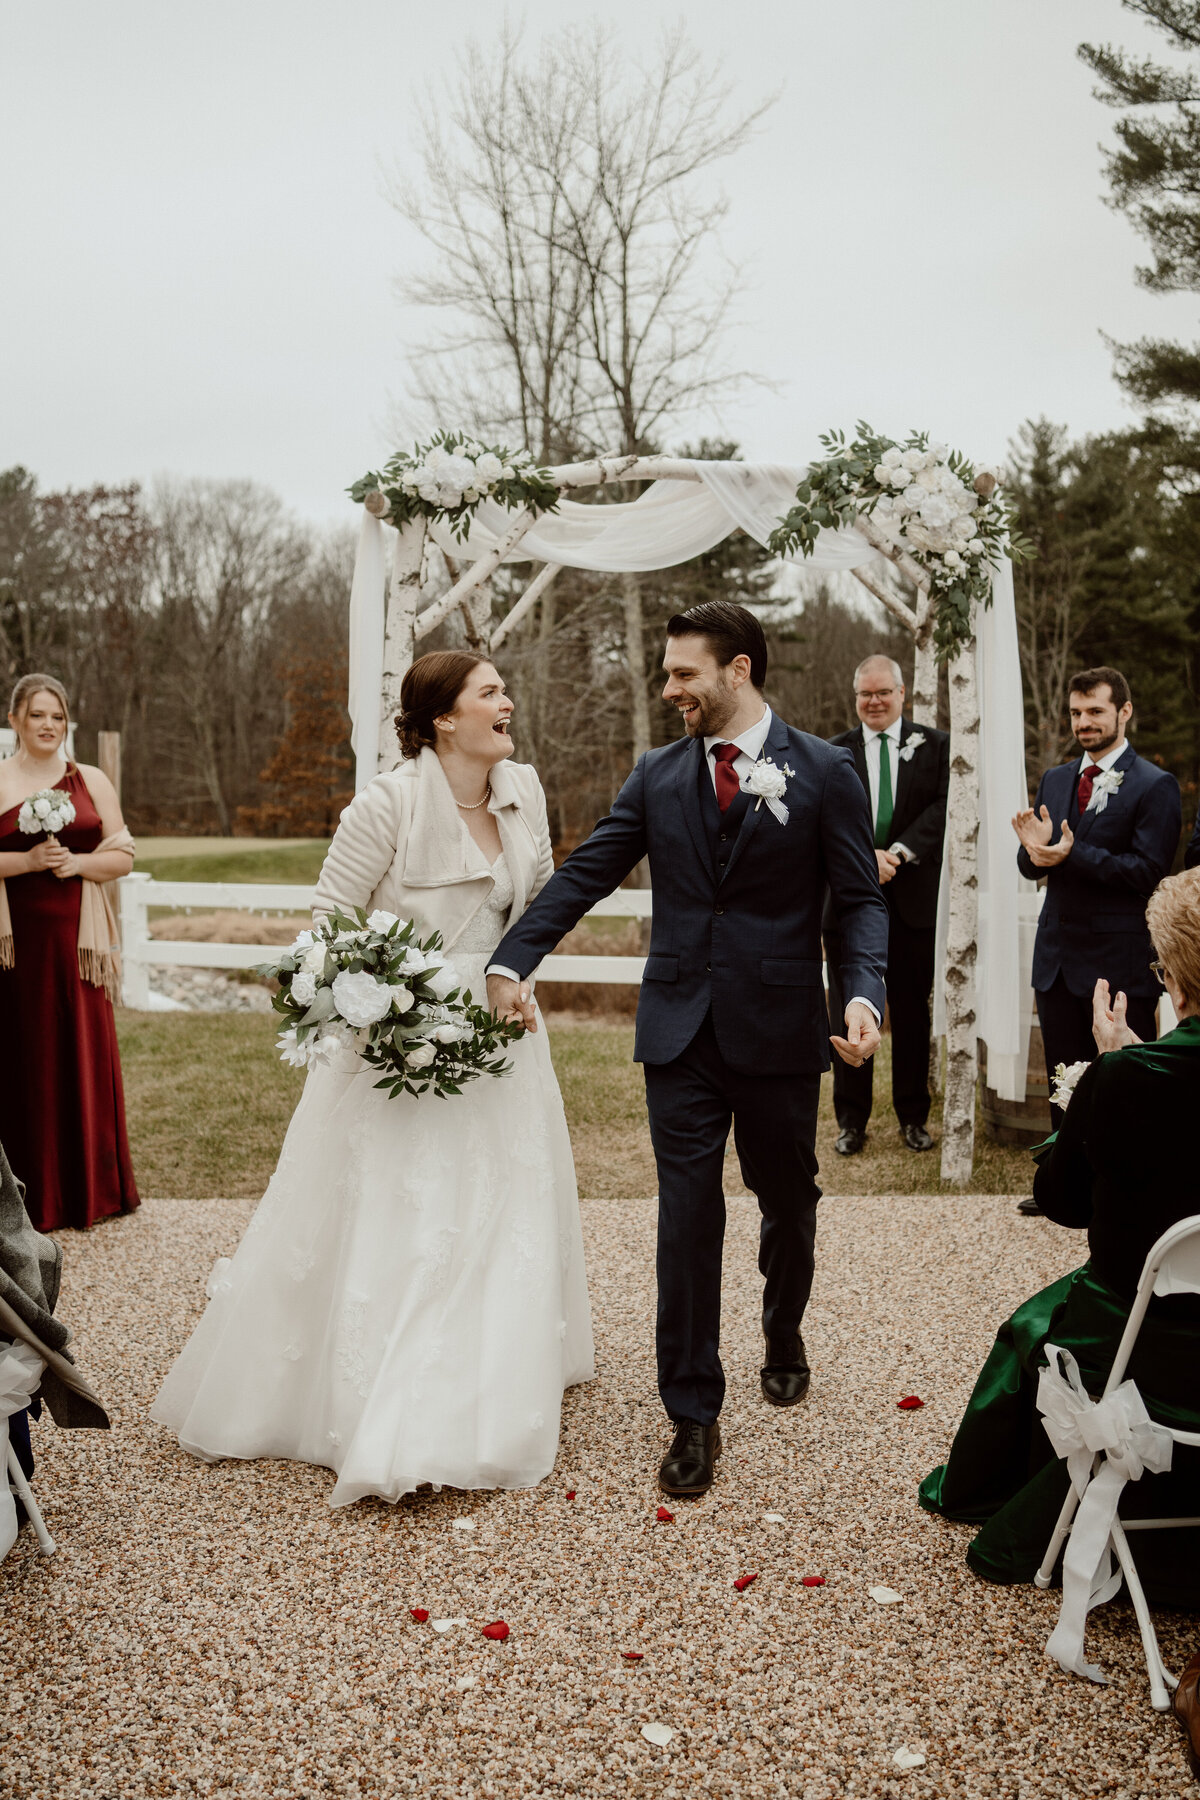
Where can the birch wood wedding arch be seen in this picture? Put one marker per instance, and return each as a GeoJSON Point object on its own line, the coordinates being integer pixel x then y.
{"type": "Point", "coordinates": [981, 991]}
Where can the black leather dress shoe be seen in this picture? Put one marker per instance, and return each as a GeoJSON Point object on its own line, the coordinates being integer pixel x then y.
{"type": "Point", "coordinates": [785, 1375]}
{"type": "Point", "coordinates": [916, 1137]}
{"type": "Point", "coordinates": [1030, 1208]}
{"type": "Point", "coordinates": [687, 1468]}
{"type": "Point", "coordinates": [849, 1141]}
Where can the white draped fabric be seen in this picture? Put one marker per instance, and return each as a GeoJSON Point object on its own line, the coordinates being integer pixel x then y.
{"type": "Point", "coordinates": [673, 521]}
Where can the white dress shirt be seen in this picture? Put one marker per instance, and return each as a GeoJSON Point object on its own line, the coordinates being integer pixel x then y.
{"type": "Point", "coordinates": [1101, 762]}
{"type": "Point", "coordinates": [871, 752]}
{"type": "Point", "coordinates": [750, 744]}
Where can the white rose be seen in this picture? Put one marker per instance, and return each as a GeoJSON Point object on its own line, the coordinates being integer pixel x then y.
{"type": "Point", "coordinates": [314, 959]}
{"type": "Point", "coordinates": [953, 560]}
{"type": "Point", "coordinates": [975, 547]}
{"type": "Point", "coordinates": [42, 808]}
{"type": "Point", "coordinates": [430, 491]}
{"type": "Point", "coordinates": [913, 459]}
{"type": "Point", "coordinates": [489, 468]}
{"type": "Point", "coordinates": [449, 1034]}
{"type": "Point", "coordinates": [382, 921]}
{"type": "Point", "coordinates": [443, 981]}
{"type": "Point", "coordinates": [304, 988]}
{"type": "Point", "coordinates": [882, 474]}
{"type": "Point", "coordinates": [401, 996]}
{"type": "Point", "coordinates": [914, 496]}
{"type": "Point", "coordinates": [900, 476]}
{"type": "Point", "coordinates": [890, 458]}
{"type": "Point", "coordinates": [421, 1057]}
{"type": "Point", "coordinates": [939, 452]}
{"type": "Point", "coordinates": [508, 472]}
{"type": "Point", "coordinates": [930, 480]}
{"type": "Point", "coordinates": [359, 998]}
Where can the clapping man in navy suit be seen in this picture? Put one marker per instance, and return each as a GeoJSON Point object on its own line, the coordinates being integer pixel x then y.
{"type": "Point", "coordinates": [1103, 832]}
{"type": "Point", "coordinates": [746, 822]}
{"type": "Point", "coordinates": [906, 771]}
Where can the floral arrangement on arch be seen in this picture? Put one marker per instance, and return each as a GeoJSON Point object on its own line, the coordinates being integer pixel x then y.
{"type": "Point", "coordinates": [925, 499]}
{"type": "Point", "coordinates": [448, 477]}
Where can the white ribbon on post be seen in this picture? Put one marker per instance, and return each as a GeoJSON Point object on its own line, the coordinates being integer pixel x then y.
{"type": "Point", "coordinates": [20, 1377]}
{"type": "Point", "coordinates": [1080, 1428]}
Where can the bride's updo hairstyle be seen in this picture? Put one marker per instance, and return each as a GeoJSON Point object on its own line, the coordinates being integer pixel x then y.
{"type": "Point", "coordinates": [429, 691]}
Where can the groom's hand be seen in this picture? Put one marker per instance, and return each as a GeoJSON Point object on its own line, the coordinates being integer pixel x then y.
{"type": "Point", "coordinates": [511, 1001]}
{"type": "Point", "coordinates": [862, 1035]}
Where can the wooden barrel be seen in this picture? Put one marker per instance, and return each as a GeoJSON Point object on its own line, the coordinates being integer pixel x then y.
{"type": "Point", "coordinates": [1022, 1122]}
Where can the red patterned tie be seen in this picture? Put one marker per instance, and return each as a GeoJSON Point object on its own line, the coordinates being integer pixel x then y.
{"type": "Point", "coordinates": [1086, 783]}
{"type": "Point", "coordinates": [728, 784]}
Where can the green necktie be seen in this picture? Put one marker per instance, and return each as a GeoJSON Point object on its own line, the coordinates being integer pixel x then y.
{"type": "Point", "coordinates": [883, 815]}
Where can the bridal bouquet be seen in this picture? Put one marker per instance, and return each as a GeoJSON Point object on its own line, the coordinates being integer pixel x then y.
{"type": "Point", "coordinates": [50, 810]}
{"type": "Point", "coordinates": [372, 986]}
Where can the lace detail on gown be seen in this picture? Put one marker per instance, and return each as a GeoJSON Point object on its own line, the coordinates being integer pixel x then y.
{"type": "Point", "coordinates": [409, 1300]}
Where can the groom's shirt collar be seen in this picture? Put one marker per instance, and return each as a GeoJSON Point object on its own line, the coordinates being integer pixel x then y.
{"type": "Point", "coordinates": [749, 742]}
{"type": "Point", "coordinates": [1103, 762]}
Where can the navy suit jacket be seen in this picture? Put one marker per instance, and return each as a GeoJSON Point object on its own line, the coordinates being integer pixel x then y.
{"type": "Point", "coordinates": [1093, 922]}
{"type": "Point", "coordinates": [1191, 856]}
{"type": "Point", "coordinates": [746, 941]}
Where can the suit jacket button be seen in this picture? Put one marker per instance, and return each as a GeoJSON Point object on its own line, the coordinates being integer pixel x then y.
{"type": "Point", "coordinates": [718, 909]}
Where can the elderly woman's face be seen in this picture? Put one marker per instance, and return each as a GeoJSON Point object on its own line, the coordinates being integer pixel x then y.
{"type": "Point", "coordinates": [42, 724]}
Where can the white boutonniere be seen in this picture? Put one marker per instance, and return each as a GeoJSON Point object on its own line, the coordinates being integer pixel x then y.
{"type": "Point", "coordinates": [1065, 1082]}
{"type": "Point", "coordinates": [914, 743]}
{"type": "Point", "coordinates": [1103, 786]}
{"type": "Point", "coordinates": [769, 783]}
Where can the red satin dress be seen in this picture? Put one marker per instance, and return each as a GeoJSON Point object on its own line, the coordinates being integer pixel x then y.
{"type": "Point", "coordinates": [62, 1104]}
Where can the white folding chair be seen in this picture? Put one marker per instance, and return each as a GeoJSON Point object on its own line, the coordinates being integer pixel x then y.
{"type": "Point", "coordinates": [1107, 1443]}
{"type": "Point", "coordinates": [20, 1377]}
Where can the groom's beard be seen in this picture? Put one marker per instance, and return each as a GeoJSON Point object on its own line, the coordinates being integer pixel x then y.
{"type": "Point", "coordinates": [1099, 745]}
{"type": "Point", "coordinates": [712, 715]}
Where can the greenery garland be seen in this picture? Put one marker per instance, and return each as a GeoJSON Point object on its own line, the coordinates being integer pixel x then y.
{"type": "Point", "coordinates": [446, 479]}
{"type": "Point", "coordinates": [927, 500]}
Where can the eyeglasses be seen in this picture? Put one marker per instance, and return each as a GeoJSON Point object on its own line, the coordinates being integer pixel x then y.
{"type": "Point", "coordinates": [873, 693]}
{"type": "Point", "coordinates": [1159, 973]}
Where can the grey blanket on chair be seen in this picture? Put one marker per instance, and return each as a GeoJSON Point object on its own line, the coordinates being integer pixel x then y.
{"type": "Point", "coordinates": [30, 1272]}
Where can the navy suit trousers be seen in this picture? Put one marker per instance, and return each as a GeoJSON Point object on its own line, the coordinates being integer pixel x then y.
{"type": "Point", "coordinates": [692, 1102]}
{"type": "Point", "coordinates": [1066, 1022]}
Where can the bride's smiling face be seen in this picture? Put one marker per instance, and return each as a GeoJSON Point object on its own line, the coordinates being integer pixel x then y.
{"type": "Point", "coordinates": [480, 718]}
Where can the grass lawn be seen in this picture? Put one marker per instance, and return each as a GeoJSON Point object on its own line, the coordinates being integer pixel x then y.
{"type": "Point", "coordinates": [209, 1101]}
{"type": "Point", "coordinates": [297, 864]}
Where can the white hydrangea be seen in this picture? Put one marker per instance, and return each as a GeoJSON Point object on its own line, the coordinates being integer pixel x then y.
{"type": "Point", "coordinates": [359, 998]}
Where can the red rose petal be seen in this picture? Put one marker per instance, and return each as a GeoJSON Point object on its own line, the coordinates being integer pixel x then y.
{"type": "Point", "coordinates": [743, 1582]}
{"type": "Point", "coordinates": [664, 1517]}
{"type": "Point", "coordinates": [812, 1581]}
{"type": "Point", "coordinates": [570, 1493]}
{"type": "Point", "coordinates": [498, 1630]}
{"type": "Point", "coordinates": [419, 1614]}
{"type": "Point", "coordinates": [633, 1655]}
{"type": "Point", "coordinates": [910, 1403]}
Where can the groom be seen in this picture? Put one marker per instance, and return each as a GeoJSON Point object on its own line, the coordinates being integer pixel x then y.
{"type": "Point", "coordinates": [731, 1023]}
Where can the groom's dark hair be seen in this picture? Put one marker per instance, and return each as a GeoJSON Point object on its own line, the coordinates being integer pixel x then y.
{"type": "Point", "coordinates": [729, 630]}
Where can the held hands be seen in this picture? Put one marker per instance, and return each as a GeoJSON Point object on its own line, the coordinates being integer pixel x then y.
{"type": "Point", "coordinates": [888, 864]}
{"type": "Point", "coordinates": [862, 1035]}
{"type": "Point", "coordinates": [511, 1001]}
{"type": "Point", "coordinates": [1035, 833]}
{"type": "Point", "coordinates": [1108, 1022]}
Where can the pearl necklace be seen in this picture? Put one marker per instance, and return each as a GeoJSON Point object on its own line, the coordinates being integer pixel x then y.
{"type": "Point", "coordinates": [475, 804]}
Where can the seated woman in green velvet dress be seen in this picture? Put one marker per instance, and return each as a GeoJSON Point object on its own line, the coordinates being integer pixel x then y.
{"type": "Point", "coordinates": [1125, 1164]}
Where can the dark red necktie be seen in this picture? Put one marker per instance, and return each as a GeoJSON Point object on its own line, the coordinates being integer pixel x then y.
{"type": "Point", "coordinates": [1087, 781]}
{"type": "Point", "coordinates": [728, 784]}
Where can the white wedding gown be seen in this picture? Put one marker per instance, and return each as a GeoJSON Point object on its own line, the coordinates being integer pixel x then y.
{"type": "Point", "coordinates": [409, 1300]}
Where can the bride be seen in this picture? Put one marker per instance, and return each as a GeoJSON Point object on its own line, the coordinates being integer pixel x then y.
{"type": "Point", "coordinates": [409, 1300]}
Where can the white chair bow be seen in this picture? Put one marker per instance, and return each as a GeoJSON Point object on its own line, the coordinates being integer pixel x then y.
{"type": "Point", "coordinates": [20, 1377]}
{"type": "Point", "coordinates": [1119, 1429]}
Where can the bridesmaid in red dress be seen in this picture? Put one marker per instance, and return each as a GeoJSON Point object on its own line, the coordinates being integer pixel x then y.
{"type": "Point", "coordinates": [62, 1106]}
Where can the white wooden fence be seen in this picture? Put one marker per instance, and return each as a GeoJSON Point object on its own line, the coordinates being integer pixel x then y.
{"type": "Point", "coordinates": [142, 952]}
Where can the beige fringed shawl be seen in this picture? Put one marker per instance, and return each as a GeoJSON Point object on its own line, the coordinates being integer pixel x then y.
{"type": "Point", "coordinates": [99, 949]}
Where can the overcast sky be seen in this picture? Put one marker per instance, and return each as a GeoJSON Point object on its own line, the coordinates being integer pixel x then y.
{"type": "Point", "coordinates": [198, 262]}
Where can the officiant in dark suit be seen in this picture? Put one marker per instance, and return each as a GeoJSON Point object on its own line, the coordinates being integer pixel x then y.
{"type": "Point", "coordinates": [905, 769]}
{"type": "Point", "coordinates": [1103, 832]}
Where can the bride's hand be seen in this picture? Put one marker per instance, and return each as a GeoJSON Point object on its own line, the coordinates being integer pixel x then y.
{"type": "Point", "coordinates": [511, 1001]}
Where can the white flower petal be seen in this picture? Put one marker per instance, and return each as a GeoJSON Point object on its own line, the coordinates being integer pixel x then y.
{"type": "Point", "coordinates": [655, 1733]}
{"type": "Point", "coordinates": [906, 1758]}
{"type": "Point", "coordinates": [464, 1525]}
{"type": "Point", "coordinates": [885, 1596]}
{"type": "Point", "coordinates": [774, 1518]}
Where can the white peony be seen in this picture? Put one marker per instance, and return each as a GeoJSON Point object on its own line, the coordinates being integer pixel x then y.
{"type": "Point", "coordinates": [382, 921]}
{"type": "Point", "coordinates": [489, 468]}
{"type": "Point", "coordinates": [330, 1039]}
{"type": "Point", "coordinates": [304, 988]}
{"type": "Point", "coordinates": [443, 981]}
{"type": "Point", "coordinates": [301, 942]}
{"type": "Point", "coordinates": [402, 998]}
{"type": "Point", "coordinates": [421, 1057]}
{"type": "Point", "coordinates": [437, 458]}
{"type": "Point", "coordinates": [936, 511]}
{"type": "Point", "coordinates": [458, 472]}
{"type": "Point", "coordinates": [359, 998]}
{"type": "Point", "coordinates": [913, 459]}
{"type": "Point", "coordinates": [412, 962]}
{"type": "Point", "coordinates": [891, 458]}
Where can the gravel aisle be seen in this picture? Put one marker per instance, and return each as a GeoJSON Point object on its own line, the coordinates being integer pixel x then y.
{"type": "Point", "coordinates": [210, 1630]}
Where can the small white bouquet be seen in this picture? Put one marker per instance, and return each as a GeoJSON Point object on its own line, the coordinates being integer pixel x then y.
{"type": "Point", "coordinates": [372, 986]}
{"type": "Point", "coordinates": [1065, 1082]}
{"type": "Point", "coordinates": [50, 811]}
